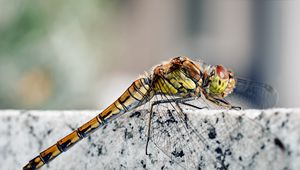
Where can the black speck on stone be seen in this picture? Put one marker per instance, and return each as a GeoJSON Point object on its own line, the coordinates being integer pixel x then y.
{"type": "Point", "coordinates": [89, 139]}
{"type": "Point", "coordinates": [128, 134]}
{"type": "Point", "coordinates": [223, 114]}
{"type": "Point", "coordinates": [240, 158]}
{"type": "Point", "coordinates": [218, 150]}
{"type": "Point", "coordinates": [279, 143]}
{"type": "Point", "coordinates": [35, 118]}
{"type": "Point", "coordinates": [239, 136]}
{"type": "Point", "coordinates": [201, 165]}
{"type": "Point", "coordinates": [143, 164]}
{"type": "Point", "coordinates": [262, 146]}
{"type": "Point", "coordinates": [178, 153]}
{"type": "Point", "coordinates": [100, 150]}
{"type": "Point", "coordinates": [93, 145]}
{"type": "Point", "coordinates": [240, 119]}
{"type": "Point", "coordinates": [135, 114]}
{"type": "Point", "coordinates": [228, 152]}
{"type": "Point", "coordinates": [49, 131]}
{"type": "Point", "coordinates": [255, 154]}
{"type": "Point", "coordinates": [171, 162]}
{"type": "Point", "coordinates": [31, 129]}
{"type": "Point", "coordinates": [212, 133]}
{"type": "Point", "coordinates": [122, 166]}
{"type": "Point", "coordinates": [282, 124]}
{"type": "Point", "coordinates": [141, 129]}
{"type": "Point", "coordinates": [261, 116]}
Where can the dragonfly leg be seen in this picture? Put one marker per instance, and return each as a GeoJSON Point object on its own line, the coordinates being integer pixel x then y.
{"type": "Point", "coordinates": [236, 107]}
{"type": "Point", "coordinates": [184, 100]}
{"type": "Point", "coordinates": [148, 132]}
{"type": "Point", "coordinates": [231, 106]}
{"type": "Point", "coordinates": [222, 102]}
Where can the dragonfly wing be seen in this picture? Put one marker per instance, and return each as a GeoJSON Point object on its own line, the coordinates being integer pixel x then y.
{"type": "Point", "coordinates": [172, 133]}
{"type": "Point", "coordinates": [250, 94]}
{"type": "Point", "coordinates": [217, 141]}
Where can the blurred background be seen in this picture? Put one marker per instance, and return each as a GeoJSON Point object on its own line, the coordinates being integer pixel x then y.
{"type": "Point", "coordinates": [64, 54]}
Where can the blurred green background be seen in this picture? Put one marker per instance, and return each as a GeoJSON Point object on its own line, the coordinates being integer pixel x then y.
{"type": "Point", "coordinates": [83, 54]}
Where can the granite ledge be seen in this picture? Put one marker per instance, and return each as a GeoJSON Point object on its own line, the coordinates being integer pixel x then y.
{"type": "Point", "coordinates": [120, 145]}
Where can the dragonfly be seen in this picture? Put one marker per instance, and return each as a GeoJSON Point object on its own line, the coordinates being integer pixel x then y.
{"type": "Point", "coordinates": [174, 84]}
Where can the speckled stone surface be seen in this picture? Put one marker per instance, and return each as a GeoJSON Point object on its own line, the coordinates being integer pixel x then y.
{"type": "Point", "coordinates": [247, 139]}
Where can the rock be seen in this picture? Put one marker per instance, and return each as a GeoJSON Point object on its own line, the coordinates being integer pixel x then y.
{"type": "Point", "coordinates": [210, 139]}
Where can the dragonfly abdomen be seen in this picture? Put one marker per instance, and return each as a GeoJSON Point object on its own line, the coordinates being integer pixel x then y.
{"type": "Point", "coordinates": [64, 144]}
{"type": "Point", "coordinates": [137, 94]}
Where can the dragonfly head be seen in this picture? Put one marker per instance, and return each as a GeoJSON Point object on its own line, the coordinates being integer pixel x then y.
{"type": "Point", "coordinates": [221, 81]}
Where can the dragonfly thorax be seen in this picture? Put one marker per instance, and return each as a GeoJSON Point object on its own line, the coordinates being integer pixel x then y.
{"type": "Point", "coordinates": [177, 84]}
{"type": "Point", "coordinates": [180, 77]}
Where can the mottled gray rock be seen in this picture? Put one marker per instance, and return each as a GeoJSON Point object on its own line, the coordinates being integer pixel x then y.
{"type": "Point", "coordinates": [247, 139]}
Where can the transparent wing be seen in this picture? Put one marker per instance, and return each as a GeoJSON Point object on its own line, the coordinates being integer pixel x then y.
{"type": "Point", "coordinates": [172, 134]}
{"type": "Point", "coordinates": [249, 94]}
{"type": "Point", "coordinates": [217, 141]}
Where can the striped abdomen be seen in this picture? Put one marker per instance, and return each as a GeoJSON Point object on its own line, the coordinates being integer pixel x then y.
{"type": "Point", "coordinates": [137, 94]}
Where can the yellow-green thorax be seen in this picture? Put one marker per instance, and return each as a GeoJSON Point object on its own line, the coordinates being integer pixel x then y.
{"type": "Point", "coordinates": [176, 83]}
